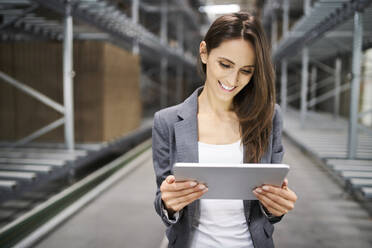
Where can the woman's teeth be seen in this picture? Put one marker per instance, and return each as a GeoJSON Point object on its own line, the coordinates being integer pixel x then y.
{"type": "Point", "coordinates": [226, 87]}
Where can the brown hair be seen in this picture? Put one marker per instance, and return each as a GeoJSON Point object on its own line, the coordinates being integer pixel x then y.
{"type": "Point", "coordinates": [255, 103]}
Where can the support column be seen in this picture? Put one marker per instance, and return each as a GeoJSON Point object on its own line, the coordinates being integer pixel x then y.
{"type": "Point", "coordinates": [336, 106]}
{"type": "Point", "coordinates": [355, 85]}
{"type": "Point", "coordinates": [304, 80]}
{"type": "Point", "coordinates": [135, 14]}
{"type": "Point", "coordinates": [284, 83]}
{"type": "Point", "coordinates": [313, 79]}
{"type": "Point", "coordinates": [307, 7]}
{"type": "Point", "coordinates": [164, 60]}
{"type": "Point", "coordinates": [180, 39]}
{"type": "Point", "coordinates": [274, 31]}
{"type": "Point", "coordinates": [68, 93]}
{"type": "Point", "coordinates": [285, 17]}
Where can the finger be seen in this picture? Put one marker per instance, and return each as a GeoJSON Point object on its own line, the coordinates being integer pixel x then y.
{"type": "Point", "coordinates": [170, 179]}
{"type": "Point", "coordinates": [270, 203]}
{"type": "Point", "coordinates": [183, 201]}
{"type": "Point", "coordinates": [177, 186]}
{"type": "Point", "coordinates": [273, 211]}
{"type": "Point", "coordinates": [285, 183]}
{"type": "Point", "coordinates": [284, 203]}
{"type": "Point", "coordinates": [285, 193]}
{"type": "Point", "coordinates": [177, 194]}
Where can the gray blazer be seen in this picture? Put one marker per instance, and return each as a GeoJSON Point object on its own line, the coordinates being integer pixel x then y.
{"type": "Point", "coordinates": [175, 139]}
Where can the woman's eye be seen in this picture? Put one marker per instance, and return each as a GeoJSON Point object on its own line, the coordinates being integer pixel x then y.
{"type": "Point", "coordinates": [247, 72]}
{"type": "Point", "coordinates": [224, 65]}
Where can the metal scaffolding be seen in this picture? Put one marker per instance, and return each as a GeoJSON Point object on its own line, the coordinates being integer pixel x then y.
{"type": "Point", "coordinates": [321, 38]}
{"type": "Point", "coordinates": [105, 22]}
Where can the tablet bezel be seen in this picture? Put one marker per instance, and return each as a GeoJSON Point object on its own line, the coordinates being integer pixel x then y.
{"type": "Point", "coordinates": [231, 181]}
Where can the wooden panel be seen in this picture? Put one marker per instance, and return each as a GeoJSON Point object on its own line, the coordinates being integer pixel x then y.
{"type": "Point", "coordinates": [7, 101]}
{"type": "Point", "coordinates": [88, 91]}
{"type": "Point", "coordinates": [106, 90]}
{"type": "Point", "coordinates": [122, 101]}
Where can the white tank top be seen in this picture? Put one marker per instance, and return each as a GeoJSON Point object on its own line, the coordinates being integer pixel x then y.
{"type": "Point", "coordinates": [222, 222]}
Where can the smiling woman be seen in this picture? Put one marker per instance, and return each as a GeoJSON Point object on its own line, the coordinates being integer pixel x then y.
{"type": "Point", "coordinates": [235, 63]}
{"type": "Point", "coordinates": [232, 118]}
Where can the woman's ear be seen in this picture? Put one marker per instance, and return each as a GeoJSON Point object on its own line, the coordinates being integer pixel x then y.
{"type": "Point", "coordinates": [203, 52]}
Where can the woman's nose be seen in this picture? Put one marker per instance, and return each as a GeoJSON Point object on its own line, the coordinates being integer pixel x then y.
{"type": "Point", "coordinates": [233, 79]}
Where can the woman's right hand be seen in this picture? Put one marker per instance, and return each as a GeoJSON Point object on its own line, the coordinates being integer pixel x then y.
{"type": "Point", "coordinates": [177, 195]}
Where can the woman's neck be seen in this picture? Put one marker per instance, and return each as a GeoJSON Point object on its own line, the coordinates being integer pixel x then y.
{"type": "Point", "coordinates": [209, 103]}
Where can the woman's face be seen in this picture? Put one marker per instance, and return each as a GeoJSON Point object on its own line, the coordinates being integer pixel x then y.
{"type": "Point", "coordinates": [229, 67]}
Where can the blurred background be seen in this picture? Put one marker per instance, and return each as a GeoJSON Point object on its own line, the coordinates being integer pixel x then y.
{"type": "Point", "coordinates": [80, 81]}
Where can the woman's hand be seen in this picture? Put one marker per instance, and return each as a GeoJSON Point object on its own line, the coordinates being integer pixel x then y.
{"type": "Point", "coordinates": [176, 195]}
{"type": "Point", "coordinates": [277, 200]}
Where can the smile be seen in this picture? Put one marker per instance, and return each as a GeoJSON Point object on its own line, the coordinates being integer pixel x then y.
{"type": "Point", "coordinates": [226, 88]}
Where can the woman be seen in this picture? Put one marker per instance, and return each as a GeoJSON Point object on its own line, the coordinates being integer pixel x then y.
{"type": "Point", "coordinates": [231, 118]}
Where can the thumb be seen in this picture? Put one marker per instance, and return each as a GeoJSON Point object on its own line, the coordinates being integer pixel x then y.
{"type": "Point", "coordinates": [285, 183]}
{"type": "Point", "coordinates": [170, 179]}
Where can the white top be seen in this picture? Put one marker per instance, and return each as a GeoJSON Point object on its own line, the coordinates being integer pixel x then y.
{"type": "Point", "coordinates": [222, 222]}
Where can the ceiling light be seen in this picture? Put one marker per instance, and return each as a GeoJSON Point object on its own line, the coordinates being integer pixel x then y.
{"type": "Point", "coordinates": [220, 9]}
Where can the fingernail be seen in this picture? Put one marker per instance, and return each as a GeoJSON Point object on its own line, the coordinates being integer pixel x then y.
{"type": "Point", "coordinates": [192, 184]}
{"type": "Point", "coordinates": [205, 190]}
{"type": "Point", "coordinates": [201, 186]}
{"type": "Point", "coordinates": [266, 187]}
{"type": "Point", "coordinates": [258, 190]}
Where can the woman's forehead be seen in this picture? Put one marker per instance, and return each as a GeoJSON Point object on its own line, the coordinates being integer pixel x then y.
{"type": "Point", "coordinates": [238, 51]}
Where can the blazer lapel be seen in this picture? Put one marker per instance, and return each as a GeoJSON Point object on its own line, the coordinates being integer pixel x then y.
{"type": "Point", "coordinates": [186, 130]}
{"type": "Point", "coordinates": [186, 134]}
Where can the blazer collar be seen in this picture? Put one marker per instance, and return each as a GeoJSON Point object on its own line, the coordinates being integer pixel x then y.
{"type": "Point", "coordinates": [186, 130]}
{"type": "Point", "coordinates": [189, 107]}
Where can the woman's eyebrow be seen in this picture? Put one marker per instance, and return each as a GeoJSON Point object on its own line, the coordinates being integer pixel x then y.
{"type": "Point", "coordinates": [234, 63]}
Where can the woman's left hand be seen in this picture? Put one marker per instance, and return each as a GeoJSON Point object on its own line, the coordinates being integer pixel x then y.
{"type": "Point", "coordinates": [277, 200]}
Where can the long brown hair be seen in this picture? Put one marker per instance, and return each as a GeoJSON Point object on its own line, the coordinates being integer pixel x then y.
{"type": "Point", "coordinates": [255, 103]}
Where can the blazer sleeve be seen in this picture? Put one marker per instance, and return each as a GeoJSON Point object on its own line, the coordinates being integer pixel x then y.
{"type": "Point", "coordinates": [277, 145]}
{"type": "Point", "coordinates": [161, 163]}
{"type": "Point", "coordinates": [276, 155]}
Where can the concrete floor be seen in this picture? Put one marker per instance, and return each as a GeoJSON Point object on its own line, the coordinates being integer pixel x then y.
{"type": "Point", "coordinates": [323, 216]}
{"type": "Point", "coordinates": [124, 216]}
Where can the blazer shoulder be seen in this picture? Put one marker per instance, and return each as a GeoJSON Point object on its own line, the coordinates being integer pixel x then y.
{"type": "Point", "coordinates": [277, 112]}
{"type": "Point", "coordinates": [168, 114]}
{"type": "Point", "coordinates": [278, 116]}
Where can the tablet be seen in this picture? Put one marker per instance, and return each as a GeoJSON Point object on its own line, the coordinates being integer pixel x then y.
{"type": "Point", "coordinates": [231, 181]}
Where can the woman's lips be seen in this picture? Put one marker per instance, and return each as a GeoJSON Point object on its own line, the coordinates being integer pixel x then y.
{"type": "Point", "coordinates": [224, 88]}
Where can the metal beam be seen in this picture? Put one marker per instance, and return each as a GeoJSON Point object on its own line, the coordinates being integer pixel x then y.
{"type": "Point", "coordinates": [180, 40]}
{"type": "Point", "coordinates": [336, 104]}
{"type": "Point", "coordinates": [323, 66]}
{"type": "Point", "coordinates": [39, 132]}
{"type": "Point", "coordinates": [284, 82]}
{"type": "Point", "coordinates": [304, 81]}
{"type": "Point", "coordinates": [164, 60]}
{"type": "Point", "coordinates": [355, 85]}
{"type": "Point", "coordinates": [18, 17]}
{"type": "Point", "coordinates": [313, 84]}
{"type": "Point", "coordinates": [33, 93]}
{"type": "Point", "coordinates": [364, 113]}
{"type": "Point", "coordinates": [121, 28]}
{"type": "Point", "coordinates": [338, 16]}
{"type": "Point", "coordinates": [285, 17]}
{"type": "Point", "coordinates": [135, 15]}
{"type": "Point", "coordinates": [307, 6]}
{"type": "Point", "coordinates": [327, 95]}
{"type": "Point", "coordinates": [68, 94]}
{"type": "Point", "coordinates": [274, 31]}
